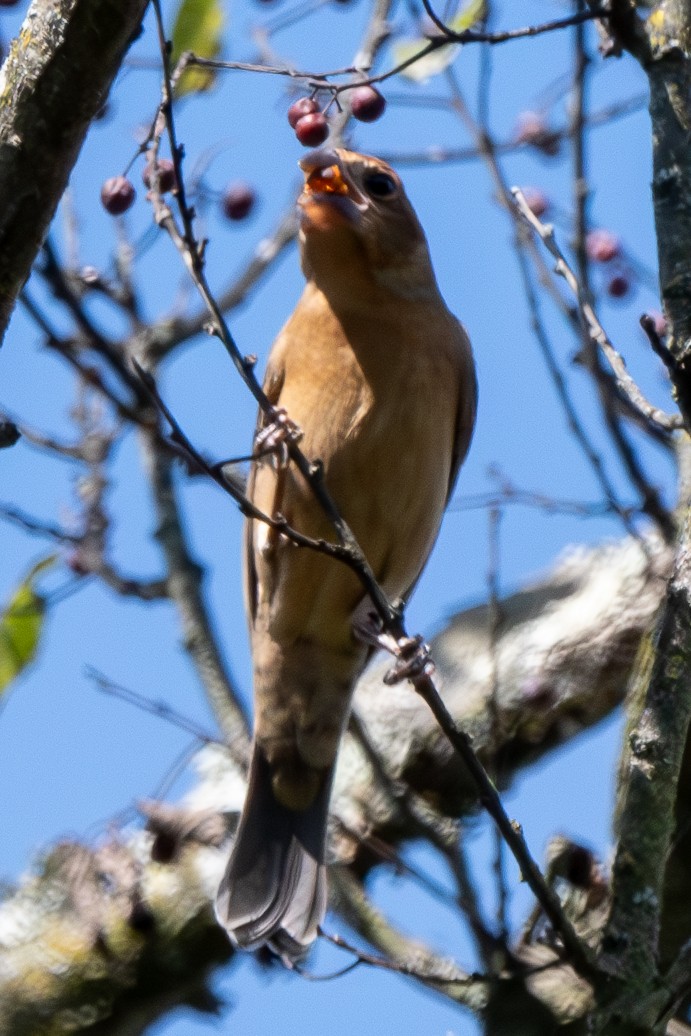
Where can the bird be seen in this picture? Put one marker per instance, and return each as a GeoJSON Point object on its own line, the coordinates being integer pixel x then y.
{"type": "Point", "coordinates": [378, 377]}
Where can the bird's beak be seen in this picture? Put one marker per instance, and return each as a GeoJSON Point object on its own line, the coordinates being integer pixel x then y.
{"type": "Point", "coordinates": [323, 173]}
{"type": "Point", "coordinates": [329, 198]}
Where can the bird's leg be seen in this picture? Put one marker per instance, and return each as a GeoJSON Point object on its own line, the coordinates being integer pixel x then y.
{"type": "Point", "coordinates": [275, 437]}
{"type": "Point", "coordinates": [412, 653]}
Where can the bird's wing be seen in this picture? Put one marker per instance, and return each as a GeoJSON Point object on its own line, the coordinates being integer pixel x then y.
{"type": "Point", "coordinates": [465, 423]}
{"type": "Point", "coordinates": [465, 415]}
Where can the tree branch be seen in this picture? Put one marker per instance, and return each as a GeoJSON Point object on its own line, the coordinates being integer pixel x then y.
{"type": "Point", "coordinates": [54, 81]}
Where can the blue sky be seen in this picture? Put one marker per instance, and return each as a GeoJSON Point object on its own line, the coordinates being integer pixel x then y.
{"type": "Point", "coordinates": [71, 758]}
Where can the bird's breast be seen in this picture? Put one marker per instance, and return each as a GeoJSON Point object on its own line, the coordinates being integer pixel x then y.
{"type": "Point", "coordinates": [377, 404]}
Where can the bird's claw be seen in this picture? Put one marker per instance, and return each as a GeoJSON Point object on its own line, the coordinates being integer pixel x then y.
{"type": "Point", "coordinates": [412, 654]}
{"type": "Point", "coordinates": [413, 659]}
{"type": "Point", "coordinates": [276, 437]}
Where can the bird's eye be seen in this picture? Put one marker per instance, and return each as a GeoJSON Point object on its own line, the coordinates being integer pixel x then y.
{"type": "Point", "coordinates": [380, 185]}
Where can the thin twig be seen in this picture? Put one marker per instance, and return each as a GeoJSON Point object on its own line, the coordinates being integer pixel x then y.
{"type": "Point", "coordinates": [36, 526]}
{"type": "Point", "coordinates": [160, 709]}
{"type": "Point", "coordinates": [579, 954]}
{"type": "Point", "coordinates": [609, 390]}
{"type": "Point", "coordinates": [523, 242]}
{"type": "Point", "coordinates": [626, 383]}
{"type": "Point", "coordinates": [436, 155]}
{"type": "Point", "coordinates": [364, 957]}
{"type": "Point", "coordinates": [475, 36]}
{"type": "Point", "coordinates": [56, 277]}
{"type": "Point", "coordinates": [192, 256]}
{"type": "Point", "coordinates": [524, 498]}
{"type": "Point", "coordinates": [494, 621]}
{"type": "Point", "coordinates": [562, 389]}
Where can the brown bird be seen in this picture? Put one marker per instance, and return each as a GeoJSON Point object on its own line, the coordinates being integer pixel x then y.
{"type": "Point", "coordinates": [379, 377]}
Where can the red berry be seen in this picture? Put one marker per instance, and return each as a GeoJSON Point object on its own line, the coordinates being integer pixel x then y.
{"type": "Point", "coordinates": [366, 103]}
{"type": "Point", "coordinates": [602, 246]}
{"type": "Point", "coordinates": [619, 286]}
{"type": "Point", "coordinates": [537, 202]}
{"type": "Point", "coordinates": [238, 200]}
{"type": "Point", "coordinates": [117, 195]}
{"type": "Point", "coordinates": [298, 109]}
{"type": "Point", "coordinates": [530, 125]}
{"type": "Point", "coordinates": [533, 129]}
{"type": "Point", "coordinates": [312, 130]}
{"type": "Point", "coordinates": [166, 175]}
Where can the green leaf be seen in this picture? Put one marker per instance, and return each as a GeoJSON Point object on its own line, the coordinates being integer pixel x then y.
{"type": "Point", "coordinates": [440, 58]}
{"type": "Point", "coordinates": [20, 625]}
{"type": "Point", "coordinates": [198, 27]}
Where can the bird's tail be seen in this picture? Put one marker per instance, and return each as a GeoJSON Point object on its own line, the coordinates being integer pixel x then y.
{"type": "Point", "coordinates": [274, 888]}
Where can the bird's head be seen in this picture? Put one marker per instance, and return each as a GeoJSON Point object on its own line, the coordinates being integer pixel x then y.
{"type": "Point", "coordinates": [358, 230]}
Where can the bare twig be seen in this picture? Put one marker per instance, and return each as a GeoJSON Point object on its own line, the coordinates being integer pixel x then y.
{"type": "Point", "coordinates": [185, 585]}
{"type": "Point", "coordinates": [474, 36]}
{"type": "Point", "coordinates": [36, 525]}
{"type": "Point", "coordinates": [511, 832]}
{"type": "Point", "coordinates": [192, 256]}
{"type": "Point", "coordinates": [523, 243]}
{"type": "Point", "coordinates": [322, 79]}
{"type": "Point", "coordinates": [403, 954]}
{"type": "Point", "coordinates": [610, 391]}
{"type": "Point", "coordinates": [55, 275]}
{"type": "Point", "coordinates": [154, 707]}
{"type": "Point", "coordinates": [410, 970]}
{"type": "Point", "coordinates": [647, 410]}
{"type": "Point", "coordinates": [437, 155]}
{"type": "Point", "coordinates": [524, 498]}
{"type": "Point", "coordinates": [163, 338]}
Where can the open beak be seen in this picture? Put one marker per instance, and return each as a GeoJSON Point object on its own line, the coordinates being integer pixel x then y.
{"type": "Point", "coordinates": [328, 199]}
{"type": "Point", "coordinates": [326, 179]}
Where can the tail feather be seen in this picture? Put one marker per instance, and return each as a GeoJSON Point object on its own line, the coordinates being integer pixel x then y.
{"type": "Point", "coordinates": [274, 889]}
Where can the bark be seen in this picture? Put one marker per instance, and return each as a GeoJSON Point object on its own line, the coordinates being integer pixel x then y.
{"type": "Point", "coordinates": [649, 919]}
{"type": "Point", "coordinates": [669, 73]}
{"type": "Point", "coordinates": [54, 81]}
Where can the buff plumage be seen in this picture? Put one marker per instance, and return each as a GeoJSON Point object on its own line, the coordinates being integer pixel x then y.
{"type": "Point", "coordinates": [379, 377]}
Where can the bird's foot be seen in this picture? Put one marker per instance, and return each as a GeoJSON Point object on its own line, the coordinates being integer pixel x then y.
{"type": "Point", "coordinates": [413, 658]}
{"type": "Point", "coordinates": [276, 437]}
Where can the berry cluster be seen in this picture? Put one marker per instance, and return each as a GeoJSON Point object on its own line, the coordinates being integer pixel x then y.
{"type": "Point", "coordinates": [305, 117]}
{"type": "Point", "coordinates": [311, 125]}
{"type": "Point", "coordinates": [602, 246]}
{"type": "Point", "coordinates": [118, 193]}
